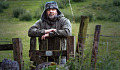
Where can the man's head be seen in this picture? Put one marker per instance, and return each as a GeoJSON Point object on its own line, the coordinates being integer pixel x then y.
{"type": "Point", "coordinates": [51, 9]}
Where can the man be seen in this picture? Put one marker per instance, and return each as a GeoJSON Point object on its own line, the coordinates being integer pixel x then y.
{"type": "Point", "coordinates": [52, 23]}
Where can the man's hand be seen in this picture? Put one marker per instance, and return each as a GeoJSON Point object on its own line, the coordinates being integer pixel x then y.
{"type": "Point", "coordinates": [47, 33]}
{"type": "Point", "coordinates": [43, 37]}
{"type": "Point", "coordinates": [49, 30]}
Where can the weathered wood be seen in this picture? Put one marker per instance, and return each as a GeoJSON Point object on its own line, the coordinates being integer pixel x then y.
{"type": "Point", "coordinates": [43, 44]}
{"type": "Point", "coordinates": [6, 47]}
{"type": "Point", "coordinates": [57, 43]}
{"type": "Point", "coordinates": [43, 52]}
{"type": "Point", "coordinates": [54, 44]}
{"type": "Point", "coordinates": [82, 34]}
{"type": "Point", "coordinates": [82, 38]}
{"type": "Point", "coordinates": [95, 47]}
{"type": "Point", "coordinates": [33, 43]}
{"type": "Point", "coordinates": [70, 47]}
{"type": "Point", "coordinates": [17, 50]}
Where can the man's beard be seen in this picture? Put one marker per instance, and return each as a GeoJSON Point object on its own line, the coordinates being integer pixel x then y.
{"type": "Point", "coordinates": [51, 16]}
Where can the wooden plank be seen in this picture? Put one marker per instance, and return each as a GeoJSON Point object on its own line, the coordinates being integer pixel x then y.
{"type": "Point", "coordinates": [43, 52]}
{"type": "Point", "coordinates": [95, 47]}
{"type": "Point", "coordinates": [43, 44]}
{"type": "Point", "coordinates": [70, 47]}
{"type": "Point", "coordinates": [6, 47]}
{"type": "Point", "coordinates": [17, 50]}
{"type": "Point", "coordinates": [51, 42]}
{"type": "Point", "coordinates": [57, 43]}
{"type": "Point", "coordinates": [33, 43]}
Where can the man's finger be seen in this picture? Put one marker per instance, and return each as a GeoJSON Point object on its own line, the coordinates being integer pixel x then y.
{"type": "Point", "coordinates": [44, 37]}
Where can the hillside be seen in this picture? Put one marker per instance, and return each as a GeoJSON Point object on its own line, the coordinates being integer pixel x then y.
{"type": "Point", "coordinates": [101, 12]}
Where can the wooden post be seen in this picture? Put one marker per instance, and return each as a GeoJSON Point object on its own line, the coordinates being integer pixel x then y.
{"type": "Point", "coordinates": [82, 37]}
{"type": "Point", "coordinates": [70, 47]}
{"type": "Point", "coordinates": [95, 47]}
{"type": "Point", "coordinates": [17, 51]}
{"type": "Point", "coordinates": [33, 43]}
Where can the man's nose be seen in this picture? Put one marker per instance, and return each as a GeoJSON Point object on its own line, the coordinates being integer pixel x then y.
{"type": "Point", "coordinates": [51, 10]}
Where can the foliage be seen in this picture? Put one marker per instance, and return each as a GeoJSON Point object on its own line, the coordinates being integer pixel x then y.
{"type": "Point", "coordinates": [38, 13]}
{"type": "Point", "coordinates": [62, 3]}
{"type": "Point", "coordinates": [116, 2]}
{"type": "Point", "coordinates": [101, 16]}
{"type": "Point", "coordinates": [1, 10]}
{"type": "Point", "coordinates": [4, 5]}
{"type": "Point", "coordinates": [18, 11]}
{"type": "Point", "coordinates": [90, 15]}
{"type": "Point", "coordinates": [25, 17]}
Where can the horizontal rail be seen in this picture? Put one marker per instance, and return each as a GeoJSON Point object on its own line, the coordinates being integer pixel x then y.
{"type": "Point", "coordinates": [47, 53]}
{"type": "Point", "coordinates": [6, 47]}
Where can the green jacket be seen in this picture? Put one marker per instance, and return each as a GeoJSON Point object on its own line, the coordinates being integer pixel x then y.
{"type": "Point", "coordinates": [61, 23]}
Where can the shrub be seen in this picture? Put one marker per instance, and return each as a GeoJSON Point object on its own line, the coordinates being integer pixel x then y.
{"type": "Point", "coordinates": [115, 18]}
{"type": "Point", "coordinates": [25, 17]}
{"type": "Point", "coordinates": [78, 0]}
{"type": "Point", "coordinates": [116, 2]}
{"type": "Point", "coordinates": [18, 11]}
{"type": "Point", "coordinates": [90, 15]}
{"type": "Point", "coordinates": [62, 3]}
{"type": "Point", "coordinates": [1, 10]}
{"type": "Point", "coordinates": [4, 5]}
{"type": "Point", "coordinates": [101, 17]}
{"type": "Point", "coordinates": [38, 13]}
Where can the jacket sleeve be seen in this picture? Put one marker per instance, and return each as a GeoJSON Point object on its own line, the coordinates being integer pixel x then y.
{"type": "Point", "coordinates": [65, 31]}
{"type": "Point", "coordinates": [35, 30]}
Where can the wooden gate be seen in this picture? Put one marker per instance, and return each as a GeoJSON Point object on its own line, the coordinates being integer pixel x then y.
{"type": "Point", "coordinates": [50, 49]}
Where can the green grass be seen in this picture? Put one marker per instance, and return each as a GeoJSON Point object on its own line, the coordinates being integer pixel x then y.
{"type": "Point", "coordinates": [108, 53]}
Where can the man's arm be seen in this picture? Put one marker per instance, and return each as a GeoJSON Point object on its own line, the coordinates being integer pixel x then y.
{"type": "Point", "coordinates": [65, 31]}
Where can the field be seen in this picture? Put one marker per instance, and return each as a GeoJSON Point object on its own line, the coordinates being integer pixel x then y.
{"type": "Point", "coordinates": [109, 43]}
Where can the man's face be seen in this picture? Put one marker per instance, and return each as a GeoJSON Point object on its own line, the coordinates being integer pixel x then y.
{"type": "Point", "coordinates": [52, 13]}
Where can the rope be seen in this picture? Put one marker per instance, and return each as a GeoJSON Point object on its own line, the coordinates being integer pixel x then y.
{"type": "Point", "coordinates": [72, 12]}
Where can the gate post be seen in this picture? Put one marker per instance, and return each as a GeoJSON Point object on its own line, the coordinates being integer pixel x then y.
{"type": "Point", "coordinates": [17, 51]}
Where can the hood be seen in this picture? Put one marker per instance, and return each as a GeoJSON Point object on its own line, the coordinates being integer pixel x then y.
{"type": "Point", "coordinates": [49, 5]}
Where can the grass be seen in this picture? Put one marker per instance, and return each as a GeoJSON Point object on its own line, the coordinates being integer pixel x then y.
{"type": "Point", "coordinates": [108, 53]}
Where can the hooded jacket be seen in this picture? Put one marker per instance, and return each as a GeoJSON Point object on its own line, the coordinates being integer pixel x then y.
{"type": "Point", "coordinates": [60, 23]}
